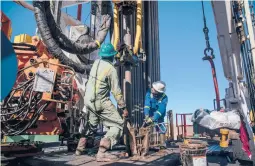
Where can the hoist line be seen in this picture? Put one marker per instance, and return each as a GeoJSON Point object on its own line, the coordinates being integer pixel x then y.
{"type": "Point", "coordinates": [203, 14]}
{"type": "Point", "coordinates": [208, 50]}
{"type": "Point", "coordinates": [209, 55]}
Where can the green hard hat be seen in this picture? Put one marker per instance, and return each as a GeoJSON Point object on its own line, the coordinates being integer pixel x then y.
{"type": "Point", "coordinates": [107, 50]}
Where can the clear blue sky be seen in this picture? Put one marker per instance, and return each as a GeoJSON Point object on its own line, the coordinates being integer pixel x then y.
{"type": "Point", "coordinates": [188, 78]}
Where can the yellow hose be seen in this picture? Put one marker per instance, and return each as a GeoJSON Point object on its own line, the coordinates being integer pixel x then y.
{"type": "Point", "coordinates": [116, 26]}
{"type": "Point", "coordinates": [138, 26]}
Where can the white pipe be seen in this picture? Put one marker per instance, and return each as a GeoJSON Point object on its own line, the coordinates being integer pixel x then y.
{"type": "Point", "coordinates": [68, 19]}
{"type": "Point", "coordinates": [234, 76]}
{"type": "Point", "coordinates": [250, 29]}
{"type": "Point", "coordinates": [72, 3]}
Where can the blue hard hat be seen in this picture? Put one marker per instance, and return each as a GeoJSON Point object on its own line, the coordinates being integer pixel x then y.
{"type": "Point", "coordinates": [9, 67]}
{"type": "Point", "coordinates": [107, 50]}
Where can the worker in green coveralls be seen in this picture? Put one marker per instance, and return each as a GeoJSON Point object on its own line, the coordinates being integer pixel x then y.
{"type": "Point", "coordinates": [103, 79]}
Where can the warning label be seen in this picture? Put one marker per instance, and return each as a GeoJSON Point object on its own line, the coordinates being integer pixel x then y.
{"type": "Point", "coordinates": [199, 161]}
{"type": "Point", "coordinates": [44, 80]}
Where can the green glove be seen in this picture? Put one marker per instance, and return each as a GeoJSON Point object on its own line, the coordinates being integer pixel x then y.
{"type": "Point", "coordinates": [148, 120]}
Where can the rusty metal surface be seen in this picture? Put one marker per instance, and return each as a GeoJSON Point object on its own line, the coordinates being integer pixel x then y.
{"type": "Point", "coordinates": [169, 157]}
{"type": "Point", "coordinates": [143, 143]}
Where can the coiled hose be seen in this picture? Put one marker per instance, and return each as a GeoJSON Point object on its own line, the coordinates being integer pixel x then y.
{"type": "Point", "coordinates": [70, 46]}
{"type": "Point", "coordinates": [52, 46]}
{"type": "Point", "coordinates": [29, 107]}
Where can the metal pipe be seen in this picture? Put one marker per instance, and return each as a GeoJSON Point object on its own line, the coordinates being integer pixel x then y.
{"type": "Point", "coordinates": [116, 26]}
{"type": "Point", "coordinates": [171, 124]}
{"type": "Point", "coordinates": [79, 12]}
{"type": "Point", "coordinates": [177, 124]}
{"type": "Point", "coordinates": [216, 87]}
{"type": "Point", "coordinates": [149, 43]}
{"type": "Point", "coordinates": [184, 127]}
{"type": "Point", "coordinates": [182, 124]}
{"type": "Point", "coordinates": [153, 41]}
{"type": "Point", "coordinates": [250, 30]}
{"type": "Point", "coordinates": [138, 26]}
{"type": "Point", "coordinates": [168, 124]}
{"type": "Point", "coordinates": [127, 87]}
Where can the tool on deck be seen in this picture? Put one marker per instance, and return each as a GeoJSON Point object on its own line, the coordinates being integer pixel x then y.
{"type": "Point", "coordinates": [127, 135]}
{"type": "Point", "coordinates": [137, 142]}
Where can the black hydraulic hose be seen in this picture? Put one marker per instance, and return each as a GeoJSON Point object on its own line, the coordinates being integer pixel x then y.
{"type": "Point", "coordinates": [25, 111]}
{"type": "Point", "coordinates": [13, 112]}
{"type": "Point", "coordinates": [61, 39]}
{"type": "Point", "coordinates": [25, 83]}
{"type": "Point", "coordinates": [30, 47]}
{"type": "Point", "coordinates": [35, 117]}
{"type": "Point", "coordinates": [25, 49]}
{"type": "Point", "coordinates": [50, 42]}
{"type": "Point", "coordinates": [70, 46]}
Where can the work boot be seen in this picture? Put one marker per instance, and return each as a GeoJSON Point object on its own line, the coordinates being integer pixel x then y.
{"type": "Point", "coordinates": [103, 155]}
{"type": "Point", "coordinates": [162, 141]}
{"type": "Point", "coordinates": [81, 146]}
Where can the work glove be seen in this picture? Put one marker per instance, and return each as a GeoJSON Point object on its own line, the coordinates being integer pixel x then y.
{"type": "Point", "coordinates": [148, 120]}
{"type": "Point", "coordinates": [125, 113]}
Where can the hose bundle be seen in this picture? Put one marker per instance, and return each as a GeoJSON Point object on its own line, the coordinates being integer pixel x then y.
{"type": "Point", "coordinates": [49, 41]}
{"type": "Point", "coordinates": [19, 113]}
{"type": "Point", "coordinates": [55, 40]}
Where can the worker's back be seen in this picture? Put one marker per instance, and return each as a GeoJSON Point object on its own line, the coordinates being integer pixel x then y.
{"type": "Point", "coordinates": [98, 86]}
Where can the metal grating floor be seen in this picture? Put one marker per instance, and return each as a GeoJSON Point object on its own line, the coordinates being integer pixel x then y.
{"type": "Point", "coordinates": [216, 149]}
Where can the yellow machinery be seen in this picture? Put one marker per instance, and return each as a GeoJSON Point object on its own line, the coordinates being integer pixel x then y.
{"type": "Point", "coordinates": [224, 138]}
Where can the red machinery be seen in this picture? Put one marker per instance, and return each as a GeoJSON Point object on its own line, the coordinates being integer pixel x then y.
{"type": "Point", "coordinates": [5, 25]}
{"type": "Point", "coordinates": [45, 93]}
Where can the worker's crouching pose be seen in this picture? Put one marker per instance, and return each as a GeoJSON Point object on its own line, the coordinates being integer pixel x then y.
{"type": "Point", "coordinates": [155, 108]}
{"type": "Point", "coordinates": [103, 80]}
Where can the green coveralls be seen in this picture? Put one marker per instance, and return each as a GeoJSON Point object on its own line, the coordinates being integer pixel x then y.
{"type": "Point", "coordinates": [103, 80]}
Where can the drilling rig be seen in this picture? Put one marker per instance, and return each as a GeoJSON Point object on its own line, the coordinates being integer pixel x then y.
{"type": "Point", "coordinates": [47, 100]}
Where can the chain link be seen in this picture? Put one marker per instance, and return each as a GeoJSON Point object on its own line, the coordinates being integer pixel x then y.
{"type": "Point", "coordinates": [208, 51]}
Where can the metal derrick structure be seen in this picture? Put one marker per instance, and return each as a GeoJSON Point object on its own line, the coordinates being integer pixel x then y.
{"type": "Point", "coordinates": [51, 30]}
{"type": "Point", "coordinates": [234, 32]}
{"type": "Point", "coordinates": [135, 78]}
{"type": "Point", "coordinates": [148, 71]}
{"type": "Point", "coordinates": [134, 32]}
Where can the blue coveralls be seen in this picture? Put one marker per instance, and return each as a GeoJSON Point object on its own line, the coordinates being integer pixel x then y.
{"type": "Point", "coordinates": [155, 107]}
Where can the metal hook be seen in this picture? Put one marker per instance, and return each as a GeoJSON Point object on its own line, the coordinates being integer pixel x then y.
{"type": "Point", "coordinates": [208, 52]}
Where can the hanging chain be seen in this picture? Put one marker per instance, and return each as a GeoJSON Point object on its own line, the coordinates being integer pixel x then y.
{"type": "Point", "coordinates": [208, 52]}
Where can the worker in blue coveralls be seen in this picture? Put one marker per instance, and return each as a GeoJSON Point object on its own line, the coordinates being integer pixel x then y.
{"type": "Point", "coordinates": [155, 108]}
